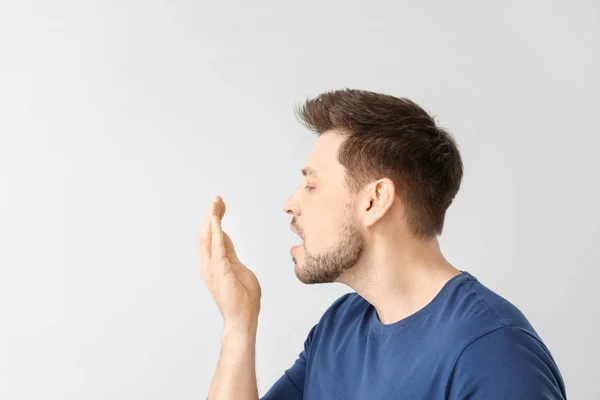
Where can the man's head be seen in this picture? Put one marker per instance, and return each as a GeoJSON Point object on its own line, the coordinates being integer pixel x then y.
{"type": "Point", "coordinates": [379, 160]}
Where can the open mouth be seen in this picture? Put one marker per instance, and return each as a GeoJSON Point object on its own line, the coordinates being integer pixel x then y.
{"type": "Point", "coordinates": [298, 246]}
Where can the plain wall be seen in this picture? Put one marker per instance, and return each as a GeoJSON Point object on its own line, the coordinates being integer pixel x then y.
{"type": "Point", "coordinates": [121, 120]}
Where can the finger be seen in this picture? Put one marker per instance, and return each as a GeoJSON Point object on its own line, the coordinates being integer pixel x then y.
{"type": "Point", "coordinates": [221, 206]}
{"type": "Point", "coordinates": [230, 252]}
{"type": "Point", "coordinates": [206, 237]}
{"type": "Point", "coordinates": [217, 248]}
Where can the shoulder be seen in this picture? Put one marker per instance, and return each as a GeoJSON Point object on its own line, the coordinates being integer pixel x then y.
{"type": "Point", "coordinates": [507, 362]}
{"type": "Point", "coordinates": [506, 343]}
{"type": "Point", "coordinates": [500, 355]}
{"type": "Point", "coordinates": [473, 310]}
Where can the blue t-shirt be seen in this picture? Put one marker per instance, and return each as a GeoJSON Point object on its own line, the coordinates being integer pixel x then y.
{"type": "Point", "coordinates": [467, 343]}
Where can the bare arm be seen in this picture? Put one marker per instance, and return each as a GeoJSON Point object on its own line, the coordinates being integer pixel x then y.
{"type": "Point", "coordinates": [237, 294]}
{"type": "Point", "coordinates": [235, 377]}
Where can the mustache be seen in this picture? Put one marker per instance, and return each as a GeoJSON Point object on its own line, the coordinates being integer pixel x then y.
{"type": "Point", "coordinates": [296, 228]}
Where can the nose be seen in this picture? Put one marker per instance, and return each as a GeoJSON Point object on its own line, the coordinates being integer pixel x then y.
{"type": "Point", "coordinates": [287, 207]}
{"type": "Point", "coordinates": [290, 207]}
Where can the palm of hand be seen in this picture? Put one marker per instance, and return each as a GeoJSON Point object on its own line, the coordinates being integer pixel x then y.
{"type": "Point", "coordinates": [234, 287]}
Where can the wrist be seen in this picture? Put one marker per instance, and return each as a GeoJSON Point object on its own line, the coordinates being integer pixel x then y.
{"type": "Point", "coordinates": [241, 328]}
{"type": "Point", "coordinates": [239, 340]}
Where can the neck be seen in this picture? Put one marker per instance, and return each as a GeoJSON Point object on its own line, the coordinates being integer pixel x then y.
{"type": "Point", "coordinates": [399, 280]}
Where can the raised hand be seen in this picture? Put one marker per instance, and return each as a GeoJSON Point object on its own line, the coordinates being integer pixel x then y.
{"type": "Point", "coordinates": [233, 286]}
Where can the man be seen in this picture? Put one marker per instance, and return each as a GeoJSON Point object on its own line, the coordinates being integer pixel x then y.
{"type": "Point", "coordinates": [376, 189]}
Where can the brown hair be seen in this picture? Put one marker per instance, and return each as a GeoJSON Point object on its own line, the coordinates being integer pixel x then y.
{"type": "Point", "coordinates": [395, 138]}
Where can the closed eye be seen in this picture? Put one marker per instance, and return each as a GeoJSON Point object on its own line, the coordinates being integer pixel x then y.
{"type": "Point", "coordinates": [309, 188]}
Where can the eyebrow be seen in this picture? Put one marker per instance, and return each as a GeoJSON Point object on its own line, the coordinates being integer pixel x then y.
{"type": "Point", "coordinates": [309, 171]}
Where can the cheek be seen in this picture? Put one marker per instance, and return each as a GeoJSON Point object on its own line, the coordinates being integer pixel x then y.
{"type": "Point", "coordinates": [323, 223]}
{"type": "Point", "coordinates": [322, 235]}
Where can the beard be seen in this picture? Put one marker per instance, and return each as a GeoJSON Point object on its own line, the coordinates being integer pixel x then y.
{"type": "Point", "coordinates": [328, 265]}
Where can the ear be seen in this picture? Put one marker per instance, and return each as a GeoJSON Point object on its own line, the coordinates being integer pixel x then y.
{"type": "Point", "coordinates": [381, 196]}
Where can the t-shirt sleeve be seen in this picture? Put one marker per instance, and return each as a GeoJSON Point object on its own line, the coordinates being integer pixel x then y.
{"type": "Point", "coordinates": [290, 386]}
{"type": "Point", "coordinates": [507, 363]}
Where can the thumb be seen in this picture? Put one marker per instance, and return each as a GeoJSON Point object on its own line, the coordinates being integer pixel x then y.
{"type": "Point", "coordinates": [230, 249]}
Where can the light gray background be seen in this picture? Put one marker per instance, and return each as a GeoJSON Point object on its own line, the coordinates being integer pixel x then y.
{"type": "Point", "coordinates": [121, 120]}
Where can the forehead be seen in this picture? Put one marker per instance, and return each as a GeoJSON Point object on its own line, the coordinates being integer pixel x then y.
{"type": "Point", "coordinates": [323, 158]}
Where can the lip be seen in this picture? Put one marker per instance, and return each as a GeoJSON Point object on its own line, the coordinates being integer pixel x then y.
{"type": "Point", "coordinates": [294, 230]}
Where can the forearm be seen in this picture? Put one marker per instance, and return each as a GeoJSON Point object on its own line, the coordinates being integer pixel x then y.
{"type": "Point", "coordinates": [235, 377]}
